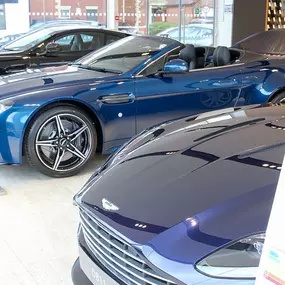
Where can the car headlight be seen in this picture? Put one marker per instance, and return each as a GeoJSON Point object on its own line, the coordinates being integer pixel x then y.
{"type": "Point", "coordinates": [238, 260]}
{"type": "Point", "coordinates": [5, 105]}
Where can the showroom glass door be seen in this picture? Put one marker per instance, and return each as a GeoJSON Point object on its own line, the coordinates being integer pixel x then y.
{"type": "Point", "coordinates": [177, 95]}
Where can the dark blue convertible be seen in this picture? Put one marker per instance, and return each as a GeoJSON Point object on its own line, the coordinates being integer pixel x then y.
{"type": "Point", "coordinates": [59, 117]}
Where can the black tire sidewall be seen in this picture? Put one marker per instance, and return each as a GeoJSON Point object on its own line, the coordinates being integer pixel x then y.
{"type": "Point", "coordinates": [30, 139]}
{"type": "Point", "coordinates": [278, 98]}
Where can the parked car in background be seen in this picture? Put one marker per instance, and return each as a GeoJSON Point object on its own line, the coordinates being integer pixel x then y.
{"type": "Point", "coordinates": [9, 38]}
{"type": "Point", "coordinates": [55, 45]}
{"type": "Point", "coordinates": [144, 216]}
{"type": "Point", "coordinates": [203, 20]}
{"type": "Point", "coordinates": [195, 34]}
{"type": "Point", "coordinates": [58, 117]}
{"type": "Point", "coordinates": [42, 25]}
{"type": "Point", "coordinates": [127, 28]}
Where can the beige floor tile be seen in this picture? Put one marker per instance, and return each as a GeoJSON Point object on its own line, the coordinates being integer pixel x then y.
{"type": "Point", "coordinates": [38, 226]}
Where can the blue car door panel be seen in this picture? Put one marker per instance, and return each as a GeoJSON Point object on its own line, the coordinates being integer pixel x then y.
{"type": "Point", "coordinates": [168, 96]}
{"type": "Point", "coordinates": [116, 109]}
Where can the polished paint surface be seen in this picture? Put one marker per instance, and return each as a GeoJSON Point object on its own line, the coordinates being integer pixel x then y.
{"type": "Point", "coordinates": [196, 184]}
{"type": "Point", "coordinates": [144, 100]}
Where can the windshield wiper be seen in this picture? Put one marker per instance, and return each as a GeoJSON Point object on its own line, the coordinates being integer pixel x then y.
{"type": "Point", "coordinates": [101, 69]}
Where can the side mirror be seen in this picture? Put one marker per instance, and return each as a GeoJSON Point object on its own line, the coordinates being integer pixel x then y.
{"type": "Point", "coordinates": [52, 48]}
{"type": "Point", "coordinates": [176, 65]}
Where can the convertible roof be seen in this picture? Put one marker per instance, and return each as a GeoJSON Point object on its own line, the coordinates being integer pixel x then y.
{"type": "Point", "coordinates": [268, 42]}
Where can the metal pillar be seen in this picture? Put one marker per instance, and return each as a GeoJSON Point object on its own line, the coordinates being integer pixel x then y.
{"type": "Point", "coordinates": [148, 14]}
{"type": "Point", "coordinates": [112, 11]}
{"type": "Point", "coordinates": [180, 18]}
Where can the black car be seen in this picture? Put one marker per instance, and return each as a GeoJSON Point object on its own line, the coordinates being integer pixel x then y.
{"type": "Point", "coordinates": [4, 40]}
{"type": "Point", "coordinates": [51, 46]}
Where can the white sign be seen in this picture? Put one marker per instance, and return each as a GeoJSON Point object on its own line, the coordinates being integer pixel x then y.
{"type": "Point", "coordinates": [206, 9]}
{"type": "Point", "coordinates": [272, 264]}
{"type": "Point", "coordinates": [78, 11]}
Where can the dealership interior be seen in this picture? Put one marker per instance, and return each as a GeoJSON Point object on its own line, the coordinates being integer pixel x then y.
{"type": "Point", "coordinates": [142, 142]}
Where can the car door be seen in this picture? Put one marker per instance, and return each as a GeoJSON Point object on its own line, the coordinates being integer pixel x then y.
{"type": "Point", "coordinates": [166, 96]}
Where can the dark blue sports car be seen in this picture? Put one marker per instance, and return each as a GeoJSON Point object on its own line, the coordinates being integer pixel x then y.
{"type": "Point", "coordinates": [59, 117]}
{"type": "Point", "coordinates": [185, 202]}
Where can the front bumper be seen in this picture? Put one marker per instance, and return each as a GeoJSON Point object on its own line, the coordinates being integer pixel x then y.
{"type": "Point", "coordinates": [12, 127]}
{"type": "Point", "coordinates": [97, 273]}
{"type": "Point", "coordinates": [10, 147]}
{"type": "Point", "coordinates": [78, 276]}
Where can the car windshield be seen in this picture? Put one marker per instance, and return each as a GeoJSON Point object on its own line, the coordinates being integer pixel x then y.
{"type": "Point", "coordinates": [124, 55]}
{"type": "Point", "coordinates": [29, 40]}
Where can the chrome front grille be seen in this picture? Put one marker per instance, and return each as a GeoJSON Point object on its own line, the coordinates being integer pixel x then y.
{"type": "Point", "coordinates": [117, 256]}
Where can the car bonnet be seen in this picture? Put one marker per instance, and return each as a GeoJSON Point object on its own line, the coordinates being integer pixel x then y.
{"type": "Point", "coordinates": [224, 171]}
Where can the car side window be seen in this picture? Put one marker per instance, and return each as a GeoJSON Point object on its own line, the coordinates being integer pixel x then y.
{"type": "Point", "coordinates": [92, 40]}
{"type": "Point", "coordinates": [158, 65]}
{"type": "Point", "coordinates": [111, 38]}
{"type": "Point", "coordinates": [65, 41]}
{"type": "Point", "coordinates": [155, 67]}
{"type": "Point", "coordinates": [68, 43]}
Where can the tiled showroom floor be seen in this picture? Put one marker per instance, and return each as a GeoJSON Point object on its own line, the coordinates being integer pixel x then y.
{"type": "Point", "coordinates": [38, 225]}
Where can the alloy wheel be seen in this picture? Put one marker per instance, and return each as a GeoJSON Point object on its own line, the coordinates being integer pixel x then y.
{"type": "Point", "coordinates": [63, 142]}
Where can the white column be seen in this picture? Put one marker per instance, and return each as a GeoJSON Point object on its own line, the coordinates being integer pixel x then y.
{"type": "Point", "coordinates": [222, 23]}
{"type": "Point", "coordinates": [17, 18]}
{"type": "Point", "coordinates": [112, 11]}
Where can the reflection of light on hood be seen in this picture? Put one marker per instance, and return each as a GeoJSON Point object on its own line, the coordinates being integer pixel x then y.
{"type": "Point", "coordinates": [16, 80]}
{"type": "Point", "coordinates": [56, 71]}
{"type": "Point", "coordinates": [193, 222]}
{"type": "Point", "coordinates": [220, 118]}
{"type": "Point", "coordinates": [214, 113]}
{"type": "Point", "coordinates": [140, 226]}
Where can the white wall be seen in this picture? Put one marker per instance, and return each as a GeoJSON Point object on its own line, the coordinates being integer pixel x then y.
{"type": "Point", "coordinates": [17, 18]}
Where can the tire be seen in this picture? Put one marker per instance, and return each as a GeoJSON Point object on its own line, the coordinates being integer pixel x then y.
{"type": "Point", "coordinates": [60, 141]}
{"type": "Point", "coordinates": [280, 98]}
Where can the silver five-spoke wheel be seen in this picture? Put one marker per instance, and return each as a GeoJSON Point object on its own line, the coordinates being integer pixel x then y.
{"type": "Point", "coordinates": [64, 142]}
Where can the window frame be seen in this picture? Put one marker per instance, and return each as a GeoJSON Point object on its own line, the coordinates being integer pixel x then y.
{"type": "Point", "coordinates": [139, 73]}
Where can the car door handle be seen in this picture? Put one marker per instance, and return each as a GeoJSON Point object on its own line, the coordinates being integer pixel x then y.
{"type": "Point", "coordinates": [117, 99]}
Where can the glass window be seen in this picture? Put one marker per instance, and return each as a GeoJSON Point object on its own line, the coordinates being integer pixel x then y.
{"type": "Point", "coordinates": [65, 41]}
{"type": "Point", "coordinates": [75, 42]}
{"type": "Point", "coordinates": [158, 65]}
{"type": "Point", "coordinates": [2, 17]}
{"type": "Point", "coordinates": [92, 41]}
{"type": "Point", "coordinates": [30, 40]}
{"type": "Point", "coordinates": [80, 11]}
{"type": "Point", "coordinates": [111, 38]}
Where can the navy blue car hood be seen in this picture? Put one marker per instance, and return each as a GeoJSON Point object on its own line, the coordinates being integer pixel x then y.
{"type": "Point", "coordinates": [49, 77]}
{"type": "Point", "coordinates": [224, 169]}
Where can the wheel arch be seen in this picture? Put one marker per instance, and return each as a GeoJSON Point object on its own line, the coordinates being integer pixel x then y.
{"type": "Point", "coordinates": [84, 107]}
{"type": "Point", "coordinates": [276, 93]}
